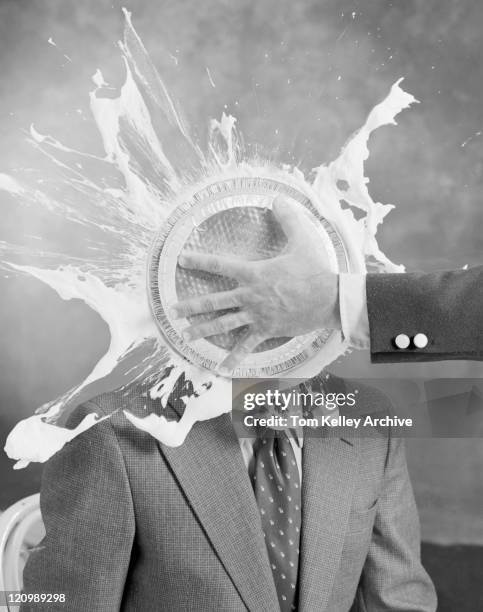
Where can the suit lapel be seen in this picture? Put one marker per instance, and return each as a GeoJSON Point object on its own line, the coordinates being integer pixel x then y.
{"type": "Point", "coordinates": [210, 469]}
{"type": "Point", "coordinates": [327, 488]}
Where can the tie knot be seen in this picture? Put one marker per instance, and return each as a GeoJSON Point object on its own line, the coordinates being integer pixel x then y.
{"type": "Point", "coordinates": [273, 437]}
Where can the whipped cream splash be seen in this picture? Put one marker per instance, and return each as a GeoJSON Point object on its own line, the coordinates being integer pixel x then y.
{"type": "Point", "coordinates": [120, 219]}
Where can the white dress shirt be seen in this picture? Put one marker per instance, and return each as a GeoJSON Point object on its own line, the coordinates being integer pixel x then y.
{"type": "Point", "coordinates": [353, 309]}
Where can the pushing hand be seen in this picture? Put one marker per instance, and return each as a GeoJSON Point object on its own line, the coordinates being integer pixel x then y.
{"type": "Point", "coordinates": [291, 294]}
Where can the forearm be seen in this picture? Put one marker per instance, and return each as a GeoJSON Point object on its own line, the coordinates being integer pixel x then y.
{"type": "Point", "coordinates": [444, 306]}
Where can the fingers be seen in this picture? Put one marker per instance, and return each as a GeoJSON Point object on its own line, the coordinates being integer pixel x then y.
{"type": "Point", "coordinates": [218, 326]}
{"type": "Point", "coordinates": [238, 354]}
{"type": "Point", "coordinates": [209, 303]}
{"type": "Point", "coordinates": [216, 264]}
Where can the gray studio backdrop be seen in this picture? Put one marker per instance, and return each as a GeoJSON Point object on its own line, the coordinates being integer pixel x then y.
{"type": "Point", "coordinates": [300, 76]}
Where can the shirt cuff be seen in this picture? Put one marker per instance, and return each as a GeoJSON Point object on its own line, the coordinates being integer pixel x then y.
{"type": "Point", "coordinates": [353, 309]}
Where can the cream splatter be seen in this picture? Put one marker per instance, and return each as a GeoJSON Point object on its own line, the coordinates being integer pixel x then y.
{"type": "Point", "coordinates": [35, 440]}
{"type": "Point", "coordinates": [121, 218]}
{"type": "Point", "coordinates": [210, 78]}
{"type": "Point", "coordinates": [200, 406]}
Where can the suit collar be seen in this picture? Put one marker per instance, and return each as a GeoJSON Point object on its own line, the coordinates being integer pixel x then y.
{"type": "Point", "coordinates": [210, 469]}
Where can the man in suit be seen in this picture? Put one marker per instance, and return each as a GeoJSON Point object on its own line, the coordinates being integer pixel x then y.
{"type": "Point", "coordinates": [134, 525]}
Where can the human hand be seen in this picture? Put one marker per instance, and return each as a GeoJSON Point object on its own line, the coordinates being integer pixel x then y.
{"type": "Point", "coordinates": [288, 295]}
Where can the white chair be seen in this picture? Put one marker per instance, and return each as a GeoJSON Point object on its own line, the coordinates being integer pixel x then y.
{"type": "Point", "coordinates": [21, 529]}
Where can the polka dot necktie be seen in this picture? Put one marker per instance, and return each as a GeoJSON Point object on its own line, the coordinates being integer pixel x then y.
{"type": "Point", "coordinates": [276, 483]}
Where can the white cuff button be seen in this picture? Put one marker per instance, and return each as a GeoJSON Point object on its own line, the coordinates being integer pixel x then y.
{"type": "Point", "coordinates": [420, 341]}
{"type": "Point", "coordinates": [402, 341]}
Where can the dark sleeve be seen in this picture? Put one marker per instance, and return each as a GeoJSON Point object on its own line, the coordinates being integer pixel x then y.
{"type": "Point", "coordinates": [393, 578]}
{"type": "Point", "coordinates": [88, 514]}
{"type": "Point", "coordinates": [445, 306]}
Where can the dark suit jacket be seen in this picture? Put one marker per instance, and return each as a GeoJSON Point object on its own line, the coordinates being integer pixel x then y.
{"type": "Point", "coordinates": [446, 306]}
{"type": "Point", "coordinates": [136, 526]}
